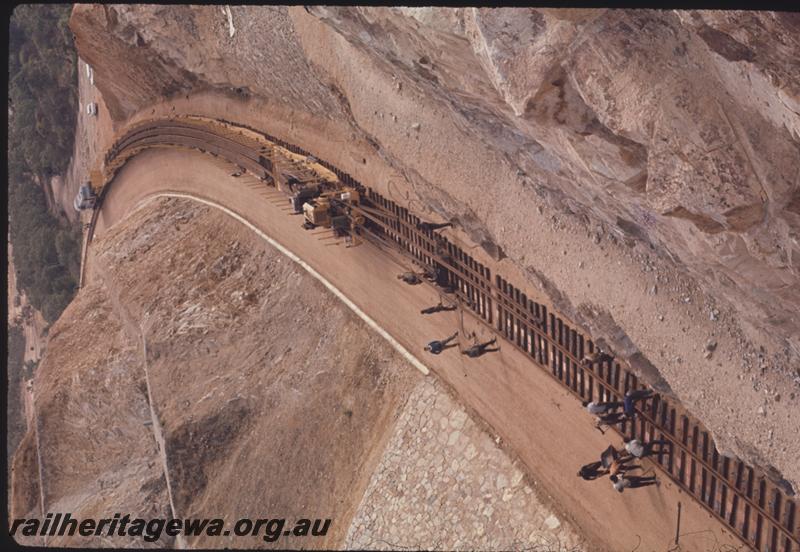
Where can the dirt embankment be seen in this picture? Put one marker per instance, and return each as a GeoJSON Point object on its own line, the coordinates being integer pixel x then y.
{"type": "Point", "coordinates": [26, 345]}
{"type": "Point", "coordinates": [253, 369]}
{"type": "Point", "coordinates": [271, 399]}
{"type": "Point", "coordinates": [581, 145]}
{"type": "Point", "coordinates": [259, 419]}
{"type": "Point", "coordinates": [88, 450]}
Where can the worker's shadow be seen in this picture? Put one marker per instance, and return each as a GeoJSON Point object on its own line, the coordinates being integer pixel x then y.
{"type": "Point", "coordinates": [664, 448]}
{"type": "Point", "coordinates": [438, 308]}
{"type": "Point", "coordinates": [638, 481]}
{"type": "Point", "coordinates": [479, 350]}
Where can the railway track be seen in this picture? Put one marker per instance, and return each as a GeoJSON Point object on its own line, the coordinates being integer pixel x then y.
{"type": "Point", "coordinates": [742, 497]}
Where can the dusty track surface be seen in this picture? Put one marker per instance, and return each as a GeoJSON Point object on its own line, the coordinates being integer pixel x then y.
{"type": "Point", "coordinates": [502, 388]}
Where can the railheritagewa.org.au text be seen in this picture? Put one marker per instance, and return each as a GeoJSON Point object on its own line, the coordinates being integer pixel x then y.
{"type": "Point", "coordinates": [269, 529]}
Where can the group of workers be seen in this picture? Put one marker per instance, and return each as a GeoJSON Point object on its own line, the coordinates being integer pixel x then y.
{"type": "Point", "coordinates": [434, 276]}
{"type": "Point", "coordinates": [438, 345]}
{"type": "Point", "coordinates": [618, 463]}
{"type": "Point", "coordinates": [608, 414]}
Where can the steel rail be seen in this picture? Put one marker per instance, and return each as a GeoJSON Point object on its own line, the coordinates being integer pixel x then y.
{"type": "Point", "coordinates": [501, 298]}
{"type": "Point", "coordinates": [513, 320]}
{"type": "Point", "coordinates": [503, 301]}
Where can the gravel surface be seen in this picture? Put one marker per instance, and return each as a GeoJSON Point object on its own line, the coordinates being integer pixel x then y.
{"type": "Point", "coordinates": [444, 484]}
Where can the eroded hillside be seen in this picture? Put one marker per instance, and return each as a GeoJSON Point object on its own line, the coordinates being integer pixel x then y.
{"type": "Point", "coordinates": [640, 168]}
{"type": "Point", "coordinates": [203, 374]}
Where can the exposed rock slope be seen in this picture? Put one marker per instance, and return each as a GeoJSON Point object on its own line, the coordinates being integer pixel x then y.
{"type": "Point", "coordinates": [670, 137]}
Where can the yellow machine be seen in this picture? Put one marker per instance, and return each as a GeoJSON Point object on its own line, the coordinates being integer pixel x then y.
{"type": "Point", "coordinates": [317, 212]}
{"type": "Point", "coordinates": [334, 210]}
{"type": "Point", "coordinates": [322, 210]}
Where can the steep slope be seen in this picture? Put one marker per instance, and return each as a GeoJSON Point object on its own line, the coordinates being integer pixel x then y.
{"type": "Point", "coordinates": [556, 139]}
{"type": "Point", "coordinates": [89, 451]}
{"type": "Point", "coordinates": [252, 369]}
{"type": "Point", "coordinates": [202, 374]}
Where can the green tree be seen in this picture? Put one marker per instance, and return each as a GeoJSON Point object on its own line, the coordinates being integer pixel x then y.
{"type": "Point", "coordinates": [43, 98]}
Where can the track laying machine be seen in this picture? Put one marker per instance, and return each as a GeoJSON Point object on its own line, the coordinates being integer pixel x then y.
{"type": "Point", "coordinates": [334, 209]}
{"type": "Point", "coordinates": [323, 201]}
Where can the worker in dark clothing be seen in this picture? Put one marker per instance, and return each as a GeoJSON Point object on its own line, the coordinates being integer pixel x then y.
{"type": "Point", "coordinates": [440, 275]}
{"type": "Point", "coordinates": [411, 278]}
{"type": "Point", "coordinates": [632, 397]}
{"type": "Point", "coordinates": [440, 250]}
{"type": "Point", "coordinates": [438, 346]}
{"type": "Point", "coordinates": [608, 420]}
{"type": "Point", "coordinates": [592, 471]}
{"type": "Point", "coordinates": [480, 348]}
{"type": "Point", "coordinates": [424, 226]}
{"type": "Point", "coordinates": [437, 308]}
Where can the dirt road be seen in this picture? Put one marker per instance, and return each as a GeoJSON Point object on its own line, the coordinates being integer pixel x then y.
{"type": "Point", "coordinates": [538, 421]}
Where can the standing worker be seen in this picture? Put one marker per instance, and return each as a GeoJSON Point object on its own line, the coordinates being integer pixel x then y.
{"type": "Point", "coordinates": [632, 397]}
{"type": "Point", "coordinates": [592, 471]}
{"type": "Point", "coordinates": [638, 449]}
{"type": "Point", "coordinates": [608, 420]}
{"type": "Point", "coordinates": [595, 357]}
{"type": "Point", "coordinates": [622, 482]}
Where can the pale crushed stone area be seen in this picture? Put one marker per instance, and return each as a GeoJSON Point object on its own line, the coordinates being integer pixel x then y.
{"type": "Point", "coordinates": [444, 484]}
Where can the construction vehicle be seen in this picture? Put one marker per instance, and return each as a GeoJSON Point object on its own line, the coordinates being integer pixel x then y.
{"type": "Point", "coordinates": [328, 208]}
{"type": "Point", "coordinates": [334, 210]}
{"type": "Point", "coordinates": [302, 195]}
{"type": "Point", "coordinates": [317, 213]}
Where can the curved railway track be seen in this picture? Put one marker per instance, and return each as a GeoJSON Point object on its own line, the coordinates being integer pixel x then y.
{"type": "Point", "coordinates": [742, 497]}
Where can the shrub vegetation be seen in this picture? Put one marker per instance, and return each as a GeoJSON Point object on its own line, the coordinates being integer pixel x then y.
{"type": "Point", "coordinates": [43, 100]}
